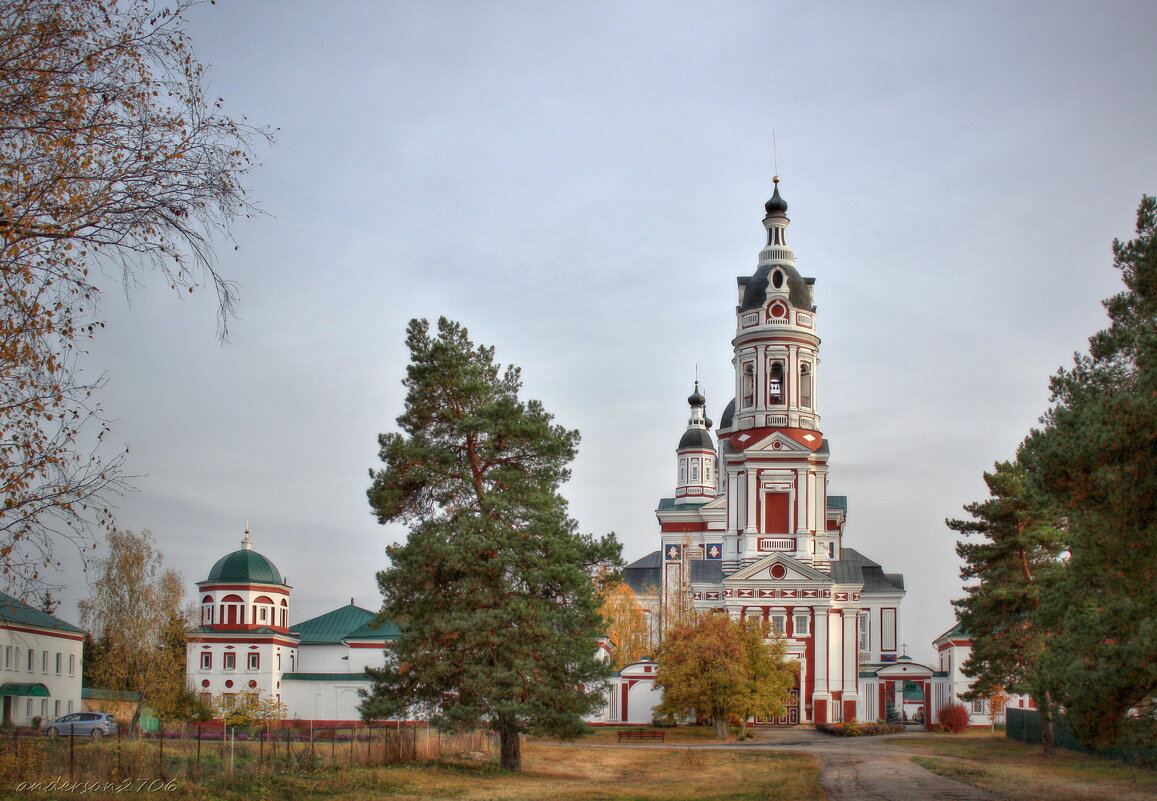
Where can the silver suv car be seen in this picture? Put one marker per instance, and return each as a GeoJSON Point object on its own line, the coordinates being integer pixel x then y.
{"type": "Point", "coordinates": [83, 724]}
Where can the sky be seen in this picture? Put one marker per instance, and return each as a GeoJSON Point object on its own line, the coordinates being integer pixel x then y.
{"type": "Point", "coordinates": [580, 184]}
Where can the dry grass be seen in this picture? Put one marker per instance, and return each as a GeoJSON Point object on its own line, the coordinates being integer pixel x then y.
{"type": "Point", "coordinates": [551, 773]}
{"type": "Point", "coordinates": [1019, 772]}
{"type": "Point", "coordinates": [677, 735]}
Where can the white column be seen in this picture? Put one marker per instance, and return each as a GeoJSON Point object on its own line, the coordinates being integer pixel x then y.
{"type": "Point", "coordinates": [821, 660]}
{"type": "Point", "coordinates": [835, 651]}
{"type": "Point", "coordinates": [851, 655]}
{"type": "Point", "coordinates": [752, 499]}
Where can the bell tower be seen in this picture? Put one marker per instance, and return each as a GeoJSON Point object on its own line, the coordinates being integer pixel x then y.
{"type": "Point", "coordinates": [772, 451]}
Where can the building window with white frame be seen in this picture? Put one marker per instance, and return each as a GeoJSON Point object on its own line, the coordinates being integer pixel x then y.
{"type": "Point", "coordinates": [254, 661]}
{"type": "Point", "coordinates": [800, 625]}
{"type": "Point", "coordinates": [748, 385]}
{"type": "Point", "coordinates": [16, 660]}
{"type": "Point", "coordinates": [72, 664]}
{"type": "Point", "coordinates": [206, 660]}
{"type": "Point", "coordinates": [978, 706]}
{"type": "Point", "coordinates": [775, 387]}
{"type": "Point", "coordinates": [865, 632]}
{"type": "Point", "coordinates": [778, 623]}
{"type": "Point", "coordinates": [230, 661]}
{"type": "Point", "coordinates": [44, 661]}
{"type": "Point", "coordinates": [805, 385]}
{"type": "Point", "coordinates": [59, 662]}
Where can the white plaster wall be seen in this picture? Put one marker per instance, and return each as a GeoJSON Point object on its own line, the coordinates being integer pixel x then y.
{"type": "Point", "coordinates": [63, 687]}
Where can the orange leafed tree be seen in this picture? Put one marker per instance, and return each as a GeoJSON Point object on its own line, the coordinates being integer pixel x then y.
{"type": "Point", "coordinates": [626, 625]}
{"type": "Point", "coordinates": [112, 159]}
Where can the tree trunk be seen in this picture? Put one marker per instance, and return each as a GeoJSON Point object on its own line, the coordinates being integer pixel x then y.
{"type": "Point", "coordinates": [720, 722]}
{"type": "Point", "coordinates": [743, 727]}
{"type": "Point", "coordinates": [510, 744]}
{"type": "Point", "coordinates": [1047, 732]}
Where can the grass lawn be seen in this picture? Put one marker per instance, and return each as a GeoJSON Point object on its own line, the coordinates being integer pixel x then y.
{"type": "Point", "coordinates": [551, 773]}
{"type": "Point", "coordinates": [1017, 771]}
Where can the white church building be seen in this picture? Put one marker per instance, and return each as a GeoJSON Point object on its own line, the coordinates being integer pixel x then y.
{"type": "Point", "coordinates": [245, 643]}
{"type": "Point", "coordinates": [751, 528]}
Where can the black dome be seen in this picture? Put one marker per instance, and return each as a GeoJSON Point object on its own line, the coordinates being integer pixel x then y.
{"type": "Point", "coordinates": [755, 293]}
{"type": "Point", "coordinates": [728, 415]}
{"type": "Point", "coordinates": [777, 205]}
{"type": "Point", "coordinates": [696, 399]}
{"type": "Point", "coordinates": [696, 438]}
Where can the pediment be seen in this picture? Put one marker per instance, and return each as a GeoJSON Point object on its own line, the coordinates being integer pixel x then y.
{"type": "Point", "coordinates": [904, 669]}
{"type": "Point", "coordinates": [777, 443]}
{"type": "Point", "coordinates": [792, 570]}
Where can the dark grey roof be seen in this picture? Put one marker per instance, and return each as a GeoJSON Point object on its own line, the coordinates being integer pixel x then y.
{"type": "Point", "coordinates": [643, 575]}
{"type": "Point", "coordinates": [728, 415]}
{"type": "Point", "coordinates": [706, 570]}
{"type": "Point", "coordinates": [855, 568]}
{"type": "Point", "coordinates": [653, 559]}
{"type": "Point", "coordinates": [846, 572]}
{"type": "Point", "coordinates": [696, 438]}
{"type": "Point", "coordinates": [755, 287]}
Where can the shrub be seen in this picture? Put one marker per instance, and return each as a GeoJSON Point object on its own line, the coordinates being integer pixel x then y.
{"type": "Point", "coordinates": [954, 718]}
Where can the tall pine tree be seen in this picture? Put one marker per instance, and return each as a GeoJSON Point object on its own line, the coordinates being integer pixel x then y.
{"type": "Point", "coordinates": [1096, 460]}
{"type": "Point", "coordinates": [493, 589]}
{"type": "Point", "coordinates": [1013, 558]}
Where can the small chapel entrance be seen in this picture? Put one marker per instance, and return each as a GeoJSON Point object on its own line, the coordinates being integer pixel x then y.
{"type": "Point", "coordinates": [904, 690]}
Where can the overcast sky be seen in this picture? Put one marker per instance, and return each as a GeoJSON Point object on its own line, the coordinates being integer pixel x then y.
{"type": "Point", "coordinates": [580, 184]}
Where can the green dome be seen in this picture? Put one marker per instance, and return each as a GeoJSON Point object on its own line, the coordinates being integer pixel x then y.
{"type": "Point", "coordinates": [245, 565]}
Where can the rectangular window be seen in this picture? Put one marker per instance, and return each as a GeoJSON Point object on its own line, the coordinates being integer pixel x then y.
{"type": "Point", "coordinates": [28, 708]}
{"type": "Point", "coordinates": [207, 660]}
{"type": "Point", "coordinates": [262, 611]}
{"type": "Point", "coordinates": [59, 662]}
{"type": "Point", "coordinates": [230, 661]}
{"type": "Point", "coordinates": [7, 657]}
{"type": "Point", "coordinates": [228, 699]}
{"type": "Point", "coordinates": [865, 633]}
{"type": "Point", "coordinates": [801, 626]}
{"type": "Point", "coordinates": [16, 660]}
{"type": "Point", "coordinates": [70, 707]}
{"type": "Point", "coordinates": [31, 659]}
{"type": "Point", "coordinates": [72, 664]}
{"type": "Point", "coordinates": [207, 699]}
{"type": "Point", "coordinates": [56, 709]}
{"type": "Point", "coordinates": [978, 706]}
{"type": "Point", "coordinates": [254, 661]}
{"type": "Point", "coordinates": [887, 629]}
{"type": "Point", "coordinates": [44, 661]}
{"type": "Point", "coordinates": [778, 621]}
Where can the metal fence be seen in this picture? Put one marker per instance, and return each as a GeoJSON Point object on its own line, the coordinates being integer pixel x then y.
{"type": "Point", "coordinates": [1025, 725]}
{"type": "Point", "coordinates": [203, 752]}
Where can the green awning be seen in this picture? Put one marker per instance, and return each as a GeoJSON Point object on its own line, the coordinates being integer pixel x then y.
{"type": "Point", "coordinates": [35, 689]}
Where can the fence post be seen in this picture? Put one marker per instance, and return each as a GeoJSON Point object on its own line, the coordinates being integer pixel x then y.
{"type": "Point", "coordinates": [161, 751]}
{"type": "Point", "coordinates": [16, 741]}
{"type": "Point", "coordinates": [199, 724]}
{"type": "Point", "coordinates": [72, 752]}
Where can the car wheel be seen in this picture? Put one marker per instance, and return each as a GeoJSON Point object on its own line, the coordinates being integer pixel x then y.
{"type": "Point", "coordinates": [97, 734]}
{"type": "Point", "coordinates": [52, 731]}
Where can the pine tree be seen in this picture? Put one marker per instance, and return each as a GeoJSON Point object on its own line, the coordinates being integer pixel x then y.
{"type": "Point", "coordinates": [1013, 563]}
{"type": "Point", "coordinates": [1096, 461]}
{"type": "Point", "coordinates": [493, 589]}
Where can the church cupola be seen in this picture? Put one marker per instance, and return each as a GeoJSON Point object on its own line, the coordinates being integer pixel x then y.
{"type": "Point", "coordinates": [696, 453]}
{"type": "Point", "coordinates": [244, 591]}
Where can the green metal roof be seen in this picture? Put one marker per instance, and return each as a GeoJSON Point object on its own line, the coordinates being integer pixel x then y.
{"type": "Point", "coordinates": [838, 502]}
{"type": "Point", "coordinates": [245, 565]}
{"type": "Point", "coordinates": [100, 694]}
{"type": "Point", "coordinates": [344, 623]}
{"type": "Point", "coordinates": [30, 688]}
{"type": "Point", "coordinates": [324, 677]}
{"type": "Point", "coordinates": [14, 611]}
{"type": "Point", "coordinates": [681, 503]}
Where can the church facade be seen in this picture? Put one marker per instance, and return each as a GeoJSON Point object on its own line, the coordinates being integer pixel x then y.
{"type": "Point", "coordinates": [752, 529]}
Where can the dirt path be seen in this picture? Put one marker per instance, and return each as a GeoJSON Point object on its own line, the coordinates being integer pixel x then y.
{"type": "Point", "coordinates": [859, 768]}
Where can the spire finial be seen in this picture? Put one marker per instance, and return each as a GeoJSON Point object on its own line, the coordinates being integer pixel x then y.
{"type": "Point", "coordinates": [246, 543]}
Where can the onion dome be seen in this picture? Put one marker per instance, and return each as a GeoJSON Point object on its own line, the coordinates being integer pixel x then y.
{"type": "Point", "coordinates": [697, 435]}
{"type": "Point", "coordinates": [245, 566]}
{"type": "Point", "coordinates": [696, 399]}
{"type": "Point", "coordinates": [777, 205]}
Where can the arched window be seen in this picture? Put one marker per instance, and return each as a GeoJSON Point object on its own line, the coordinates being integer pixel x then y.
{"type": "Point", "coordinates": [775, 388]}
{"type": "Point", "coordinates": [805, 385]}
{"type": "Point", "coordinates": [748, 385]}
{"type": "Point", "coordinates": [694, 471]}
